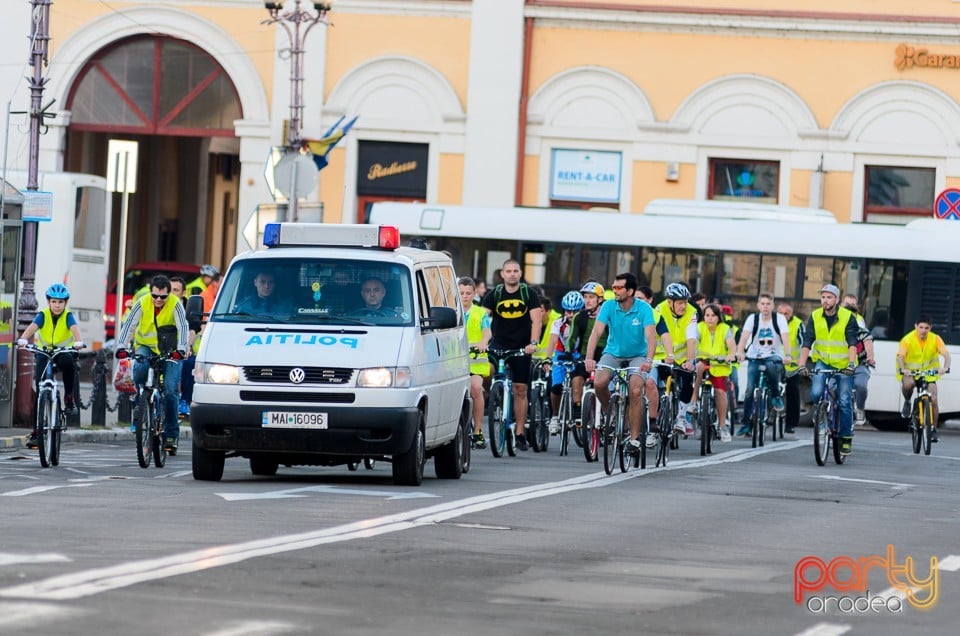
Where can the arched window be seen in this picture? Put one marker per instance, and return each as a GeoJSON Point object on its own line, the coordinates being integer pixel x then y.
{"type": "Point", "coordinates": [157, 86]}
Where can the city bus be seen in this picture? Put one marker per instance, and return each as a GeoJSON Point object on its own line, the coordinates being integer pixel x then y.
{"type": "Point", "coordinates": [73, 247]}
{"type": "Point", "coordinates": [731, 251]}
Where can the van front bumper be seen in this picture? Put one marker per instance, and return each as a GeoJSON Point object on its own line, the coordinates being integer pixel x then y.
{"type": "Point", "coordinates": [351, 431]}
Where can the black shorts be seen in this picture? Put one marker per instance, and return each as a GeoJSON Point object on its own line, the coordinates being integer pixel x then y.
{"type": "Point", "coordinates": [520, 366]}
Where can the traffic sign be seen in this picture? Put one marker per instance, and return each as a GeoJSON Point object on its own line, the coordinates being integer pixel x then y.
{"type": "Point", "coordinates": [295, 175]}
{"type": "Point", "coordinates": [947, 205]}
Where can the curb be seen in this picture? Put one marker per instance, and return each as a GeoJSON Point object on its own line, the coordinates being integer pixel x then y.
{"type": "Point", "coordinates": [82, 435]}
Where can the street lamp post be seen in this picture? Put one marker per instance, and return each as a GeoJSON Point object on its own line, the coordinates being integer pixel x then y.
{"type": "Point", "coordinates": [297, 22]}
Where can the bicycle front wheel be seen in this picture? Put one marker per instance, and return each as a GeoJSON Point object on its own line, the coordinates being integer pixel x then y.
{"type": "Point", "coordinates": [916, 428]}
{"type": "Point", "coordinates": [44, 423]}
{"type": "Point", "coordinates": [565, 417]}
{"type": "Point", "coordinates": [536, 419]}
{"type": "Point", "coordinates": [143, 426]}
{"type": "Point", "coordinates": [926, 407]}
{"type": "Point", "coordinates": [159, 448]}
{"type": "Point", "coordinates": [496, 423]}
{"type": "Point", "coordinates": [590, 423]}
{"type": "Point", "coordinates": [56, 433]}
{"type": "Point", "coordinates": [821, 433]}
{"type": "Point", "coordinates": [611, 434]}
{"type": "Point", "coordinates": [756, 418]}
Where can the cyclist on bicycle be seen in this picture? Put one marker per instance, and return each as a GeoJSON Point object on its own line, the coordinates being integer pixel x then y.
{"type": "Point", "coordinates": [716, 341]}
{"type": "Point", "coordinates": [762, 342]}
{"type": "Point", "coordinates": [830, 340]}
{"type": "Point", "coordinates": [151, 319]}
{"type": "Point", "coordinates": [920, 350]}
{"type": "Point", "coordinates": [55, 327]}
{"type": "Point", "coordinates": [478, 333]}
{"type": "Point", "coordinates": [865, 360]}
{"type": "Point", "coordinates": [631, 341]}
{"type": "Point", "coordinates": [791, 396]}
{"type": "Point", "coordinates": [515, 314]}
{"type": "Point", "coordinates": [583, 323]}
{"type": "Point", "coordinates": [680, 316]}
{"type": "Point", "coordinates": [559, 344]}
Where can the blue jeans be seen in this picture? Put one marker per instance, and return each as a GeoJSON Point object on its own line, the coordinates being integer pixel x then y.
{"type": "Point", "coordinates": [844, 385]}
{"type": "Point", "coordinates": [171, 390]}
{"type": "Point", "coordinates": [774, 368]}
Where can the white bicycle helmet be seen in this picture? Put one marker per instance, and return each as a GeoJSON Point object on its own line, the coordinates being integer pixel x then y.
{"type": "Point", "coordinates": [677, 291]}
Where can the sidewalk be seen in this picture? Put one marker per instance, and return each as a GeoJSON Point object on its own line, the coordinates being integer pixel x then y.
{"type": "Point", "coordinates": [14, 438]}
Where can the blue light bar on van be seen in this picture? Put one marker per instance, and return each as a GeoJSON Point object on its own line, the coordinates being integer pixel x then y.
{"type": "Point", "coordinates": [331, 235]}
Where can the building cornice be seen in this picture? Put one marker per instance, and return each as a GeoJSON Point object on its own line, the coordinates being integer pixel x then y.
{"type": "Point", "coordinates": [838, 25]}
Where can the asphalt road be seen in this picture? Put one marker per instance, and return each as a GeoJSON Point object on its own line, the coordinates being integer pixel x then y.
{"type": "Point", "coordinates": [538, 544]}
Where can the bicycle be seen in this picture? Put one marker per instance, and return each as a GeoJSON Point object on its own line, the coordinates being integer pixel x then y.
{"type": "Point", "coordinates": [500, 424]}
{"type": "Point", "coordinates": [826, 421]}
{"type": "Point", "coordinates": [761, 403]}
{"type": "Point", "coordinates": [565, 413]}
{"type": "Point", "coordinates": [148, 411]}
{"type": "Point", "coordinates": [707, 409]}
{"type": "Point", "coordinates": [51, 417]}
{"type": "Point", "coordinates": [921, 414]}
{"type": "Point", "coordinates": [669, 401]}
{"type": "Point", "coordinates": [538, 406]}
{"type": "Point", "coordinates": [590, 421]}
{"type": "Point", "coordinates": [616, 436]}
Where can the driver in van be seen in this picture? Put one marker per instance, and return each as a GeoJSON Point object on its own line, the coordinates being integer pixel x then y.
{"type": "Point", "coordinates": [265, 302]}
{"type": "Point", "coordinates": [372, 291]}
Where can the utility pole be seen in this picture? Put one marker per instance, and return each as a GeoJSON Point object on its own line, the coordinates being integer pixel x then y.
{"type": "Point", "coordinates": [39, 47]}
{"type": "Point", "coordinates": [293, 22]}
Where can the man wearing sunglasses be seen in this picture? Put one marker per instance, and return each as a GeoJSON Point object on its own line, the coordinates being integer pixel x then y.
{"type": "Point", "coordinates": [761, 342]}
{"type": "Point", "coordinates": [155, 314]}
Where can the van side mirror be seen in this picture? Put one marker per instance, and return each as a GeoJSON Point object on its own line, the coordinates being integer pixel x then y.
{"type": "Point", "coordinates": [194, 310]}
{"type": "Point", "coordinates": [440, 318]}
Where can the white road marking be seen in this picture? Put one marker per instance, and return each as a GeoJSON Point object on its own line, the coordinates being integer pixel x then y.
{"type": "Point", "coordinates": [8, 558]}
{"type": "Point", "coordinates": [826, 629]}
{"type": "Point", "coordinates": [950, 563]}
{"type": "Point", "coordinates": [38, 489]}
{"type": "Point", "coordinates": [892, 484]}
{"type": "Point", "coordinates": [179, 473]}
{"type": "Point", "coordinates": [103, 579]}
{"type": "Point", "coordinates": [255, 628]}
{"type": "Point", "coordinates": [294, 493]}
{"type": "Point", "coordinates": [29, 616]}
{"type": "Point", "coordinates": [935, 456]}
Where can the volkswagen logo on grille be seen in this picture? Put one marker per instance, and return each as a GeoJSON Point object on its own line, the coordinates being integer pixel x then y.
{"type": "Point", "coordinates": [297, 375]}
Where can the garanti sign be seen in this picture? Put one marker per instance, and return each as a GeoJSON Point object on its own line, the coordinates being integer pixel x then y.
{"type": "Point", "coordinates": [911, 56]}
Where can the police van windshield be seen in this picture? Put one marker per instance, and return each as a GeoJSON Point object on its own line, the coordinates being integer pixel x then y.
{"type": "Point", "coordinates": [320, 291]}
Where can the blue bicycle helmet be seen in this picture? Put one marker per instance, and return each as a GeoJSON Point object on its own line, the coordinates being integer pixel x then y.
{"type": "Point", "coordinates": [572, 301]}
{"type": "Point", "coordinates": [57, 291]}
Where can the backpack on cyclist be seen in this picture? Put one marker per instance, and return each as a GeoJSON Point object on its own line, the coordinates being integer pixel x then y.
{"type": "Point", "coordinates": [756, 328]}
{"type": "Point", "coordinates": [498, 292]}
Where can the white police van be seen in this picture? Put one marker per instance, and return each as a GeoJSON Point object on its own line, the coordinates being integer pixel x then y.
{"type": "Point", "coordinates": [332, 346]}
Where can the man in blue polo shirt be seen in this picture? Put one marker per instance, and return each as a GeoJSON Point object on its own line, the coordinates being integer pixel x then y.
{"type": "Point", "coordinates": [631, 341]}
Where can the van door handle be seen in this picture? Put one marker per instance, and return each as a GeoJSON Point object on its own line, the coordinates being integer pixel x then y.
{"type": "Point", "coordinates": [437, 340]}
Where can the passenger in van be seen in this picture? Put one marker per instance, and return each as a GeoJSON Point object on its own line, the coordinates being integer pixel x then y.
{"type": "Point", "coordinates": [265, 302]}
{"type": "Point", "coordinates": [372, 291]}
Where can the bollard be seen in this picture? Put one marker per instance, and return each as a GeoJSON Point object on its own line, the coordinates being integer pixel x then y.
{"type": "Point", "coordinates": [124, 409]}
{"type": "Point", "coordinates": [98, 402]}
{"type": "Point", "coordinates": [73, 419]}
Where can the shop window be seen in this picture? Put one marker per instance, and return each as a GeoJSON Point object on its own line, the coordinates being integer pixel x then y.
{"type": "Point", "coordinates": [744, 180]}
{"type": "Point", "coordinates": [894, 194]}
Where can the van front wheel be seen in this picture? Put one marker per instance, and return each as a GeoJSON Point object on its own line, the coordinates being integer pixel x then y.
{"type": "Point", "coordinates": [207, 465]}
{"type": "Point", "coordinates": [408, 466]}
{"type": "Point", "coordinates": [448, 460]}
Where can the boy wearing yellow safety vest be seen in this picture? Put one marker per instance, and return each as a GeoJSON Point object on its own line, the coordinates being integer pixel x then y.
{"type": "Point", "coordinates": [158, 310]}
{"type": "Point", "coordinates": [920, 350]}
{"type": "Point", "coordinates": [831, 342]}
{"type": "Point", "coordinates": [55, 327]}
{"type": "Point", "coordinates": [478, 332]}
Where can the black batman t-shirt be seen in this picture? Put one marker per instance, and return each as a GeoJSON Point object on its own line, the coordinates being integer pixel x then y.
{"type": "Point", "coordinates": [510, 313]}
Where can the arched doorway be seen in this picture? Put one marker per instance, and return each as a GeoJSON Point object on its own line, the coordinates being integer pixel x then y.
{"type": "Point", "coordinates": [179, 104]}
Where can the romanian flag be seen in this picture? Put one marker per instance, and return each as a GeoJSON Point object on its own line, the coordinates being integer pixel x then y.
{"type": "Point", "coordinates": [320, 148]}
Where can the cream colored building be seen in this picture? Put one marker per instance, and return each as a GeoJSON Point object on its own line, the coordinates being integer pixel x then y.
{"type": "Point", "coordinates": [848, 104]}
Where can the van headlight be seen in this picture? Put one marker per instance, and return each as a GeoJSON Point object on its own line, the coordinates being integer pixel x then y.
{"type": "Point", "coordinates": [208, 373]}
{"type": "Point", "coordinates": [384, 377]}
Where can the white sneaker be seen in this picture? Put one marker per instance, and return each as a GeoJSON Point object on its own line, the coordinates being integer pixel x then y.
{"type": "Point", "coordinates": [634, 444]}
{"type": "Point", "coordinates": [554, 425]}
{"type": "Point", "coordinates": [860, 418]}
{"type": "Point", "coordinates": [725, 434]}
{"type": "Point", "coordinates": [680, 425]}
{"type": "Point", "coordinates": [651, 440]}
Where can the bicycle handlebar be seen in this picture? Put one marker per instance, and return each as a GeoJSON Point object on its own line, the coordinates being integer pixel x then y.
{"type": "Point", "coordinates": [49, 352]}
{"type": "Point", "coordinates": [506, 354]}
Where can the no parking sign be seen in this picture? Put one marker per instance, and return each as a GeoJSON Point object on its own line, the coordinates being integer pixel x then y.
{"type": "Point", "coordinates": [947, 205]}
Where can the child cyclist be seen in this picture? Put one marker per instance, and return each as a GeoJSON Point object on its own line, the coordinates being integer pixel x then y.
{"type": "Point", "coordinates": [716, 341]}
{"type": "Point", "coordinates": [55, 327]}
{"type": "Point", "coordinates": [558, 344]}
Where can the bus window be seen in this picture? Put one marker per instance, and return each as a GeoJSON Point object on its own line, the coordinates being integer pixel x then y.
{"type": "Point", "coordinates": [817, 273]}
{"type": "Point", "coordinates": [882, 287]}
{"type": "Point", "coordinates": [778, 276]}
{"type": "Point", "coordinates": [90, 219]}
{"type": "Point", "coordinates": [697, 270]}
{"type": "Point", "coordinates": [740, 276]}
{"type": "Point", "coordinates": [602, 264]}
